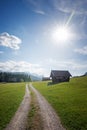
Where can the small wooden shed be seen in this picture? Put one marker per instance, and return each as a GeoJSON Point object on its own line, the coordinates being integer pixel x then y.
{"type": "Point", "coordinates": [60, 76]}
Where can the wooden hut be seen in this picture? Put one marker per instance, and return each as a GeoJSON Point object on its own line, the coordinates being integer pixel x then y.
{"type": "Point", "coordinates": [60, 76]}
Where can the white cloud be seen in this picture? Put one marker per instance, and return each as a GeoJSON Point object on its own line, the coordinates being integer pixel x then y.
{"type": "Point", "coordinates": [37, 6]}
{"type": "Point", "coordinates": [67, 6]}
{"type": "Point", "coordinates": [10, 41]}
{"type": "Point", "coordinates": [75, 68]}
{"type": "Point", "coordinates": [81, 50]}
{"type": "Point", "coordinates": [39, 12]}
{"type": "Point", "coordinates": [21, 66]}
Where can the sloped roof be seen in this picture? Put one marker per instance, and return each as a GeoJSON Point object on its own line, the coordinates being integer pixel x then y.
{"type": "Point", "coordinates": [60, 73]}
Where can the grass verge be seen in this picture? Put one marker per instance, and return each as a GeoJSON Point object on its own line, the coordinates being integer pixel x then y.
{"type": "Point", "coordinates": [69, 100]}
{"type": "Point", "coordinates": [11, 95]}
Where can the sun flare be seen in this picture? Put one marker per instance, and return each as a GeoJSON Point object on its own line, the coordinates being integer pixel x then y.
{"type": "Point", "coordinates": [61, 34]}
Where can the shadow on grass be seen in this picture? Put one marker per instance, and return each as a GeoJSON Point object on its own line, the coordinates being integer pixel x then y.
{"type": "Point", "coordinates": [51, 83]}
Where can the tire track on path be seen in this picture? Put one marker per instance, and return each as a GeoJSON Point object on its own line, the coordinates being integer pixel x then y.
{"type": "Point", "coordinates": [19, 120]}
{"type": "Point", "coordinates": [49, 117]}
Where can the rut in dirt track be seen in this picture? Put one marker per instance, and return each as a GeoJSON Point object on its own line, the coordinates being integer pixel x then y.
{"type": "Point", "coordinates": [19, 121]}
{"type": "Point", "coordinates": [49, 117]}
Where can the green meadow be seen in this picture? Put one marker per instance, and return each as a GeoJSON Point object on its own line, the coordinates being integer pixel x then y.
{"type": "Point", "coordinates": [69, 99]}
{"type": "Point", "coordinates": [11, 95]}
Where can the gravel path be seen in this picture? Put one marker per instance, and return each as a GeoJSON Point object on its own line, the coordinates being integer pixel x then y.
{"type": "Point", "coordinates": [49, 117]}
{"type": "Point", "coordinates": [19, 121]}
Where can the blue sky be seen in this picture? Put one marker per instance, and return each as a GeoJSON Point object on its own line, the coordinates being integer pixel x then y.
{"type": "Point", "coordinates": [30, 41]}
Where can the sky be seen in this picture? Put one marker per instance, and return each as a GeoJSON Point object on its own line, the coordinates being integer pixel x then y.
{"type": "Point", "coordinates": [38, 36]}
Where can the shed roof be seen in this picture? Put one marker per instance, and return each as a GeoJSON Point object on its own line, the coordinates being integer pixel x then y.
{"type": "Point", "coordinates": [60, 73]}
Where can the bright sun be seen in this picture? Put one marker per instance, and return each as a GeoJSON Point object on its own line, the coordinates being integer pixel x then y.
{"type": "Point", "coordinates": [61, 34]}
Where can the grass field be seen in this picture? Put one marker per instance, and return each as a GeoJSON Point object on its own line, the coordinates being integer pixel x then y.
{"type": "Point", "coordinates": [11, 95]}
{"type": "Point", "coordinates": [69, 100]}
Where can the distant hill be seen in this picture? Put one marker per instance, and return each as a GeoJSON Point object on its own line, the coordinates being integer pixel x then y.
{"type": "Point", "coordinates": [85, 74]}
{"type": "Point", "coordinates": [35, 77]}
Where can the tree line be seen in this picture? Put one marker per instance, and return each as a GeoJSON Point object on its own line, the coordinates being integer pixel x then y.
{"type": "Point", "coordinates": [14, 77]}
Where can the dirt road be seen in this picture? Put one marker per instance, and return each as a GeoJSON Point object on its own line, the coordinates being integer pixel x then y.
{"type": "Point", "coordinates": [19, 121]}
{"type": "Point", "coordinates": [50, 119]}
{"type": "Point", "coordinates": [46, 118]}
